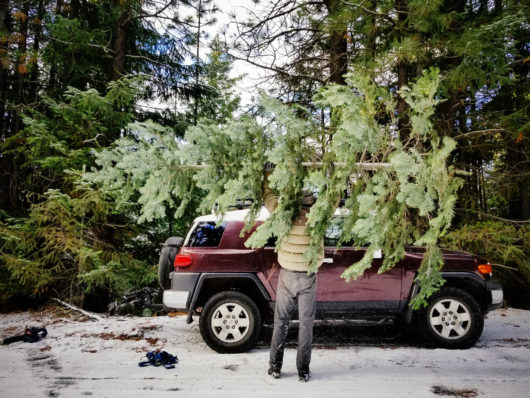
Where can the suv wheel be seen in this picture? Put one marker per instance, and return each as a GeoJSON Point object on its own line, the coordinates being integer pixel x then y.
{"type": "Point", "coordinates": [230, 322]}
{"type": "Point", "coordinates": [453, 319]}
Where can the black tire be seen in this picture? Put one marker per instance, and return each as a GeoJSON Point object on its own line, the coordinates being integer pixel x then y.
{"type": "Point", "coordinates": [167, 258]}
{"type": "Point", "coordinates": [230, 322]}
{"type": "Point", "coordinates": [453, 319]}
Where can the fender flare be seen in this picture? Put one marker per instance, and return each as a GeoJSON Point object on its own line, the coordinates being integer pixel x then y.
{"type": "Point", "coordinates": [446, 275]}
{"type": "Point", "coordinates": [223, 275]}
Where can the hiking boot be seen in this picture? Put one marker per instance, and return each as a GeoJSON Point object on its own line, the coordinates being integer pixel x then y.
{"type": "Point", "coordinates": [274, 373]}
{"type": "Point", "coordinates": [304, 376]}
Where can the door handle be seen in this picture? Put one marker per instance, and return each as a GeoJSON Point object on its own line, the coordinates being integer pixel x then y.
{"type": "Point", "coordinates": [327, 260]}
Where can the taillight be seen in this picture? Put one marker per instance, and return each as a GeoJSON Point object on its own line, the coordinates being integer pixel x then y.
{"type": "Point", "coordinates": [182, 260]}
{"type": "Point", "coordinates": [485, 268]}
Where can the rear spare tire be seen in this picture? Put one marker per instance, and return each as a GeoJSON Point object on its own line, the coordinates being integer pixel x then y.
{"type": "Point", "coordinates": [167, 258]}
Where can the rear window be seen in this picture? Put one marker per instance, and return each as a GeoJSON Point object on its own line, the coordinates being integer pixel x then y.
{"type": "Point", "coordinates": [206, 234]}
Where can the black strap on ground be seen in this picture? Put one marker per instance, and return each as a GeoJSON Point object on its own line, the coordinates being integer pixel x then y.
{"type": "Point", "coordinates": [162, 358]}
{"type": "Point", "coordinates": [31, 335]}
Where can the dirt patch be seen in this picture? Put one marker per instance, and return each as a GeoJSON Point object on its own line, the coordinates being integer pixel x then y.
{"type": "Point", "coordinates": [114, 336]}
{"type": "Point", "coordinates": [9, 331]}
{"type": "Point", "coordinates": [150, 327]}
{"type": "Point", "coordinates": [516, 341]}
{"type": "Point", "coordinates": [45, 348]}
{"type": "Point", "coordinates": [44, 361]}
{"type": "Point", "coordinates": [176, 313]}
{"type": "Point", "coordinates": [452, 392]}
{"type": "Point", "coordinates": [153, 341]}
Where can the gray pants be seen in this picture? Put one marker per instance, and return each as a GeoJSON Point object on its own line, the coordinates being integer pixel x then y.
{"type": "Point", "coordinates": [290, 286]}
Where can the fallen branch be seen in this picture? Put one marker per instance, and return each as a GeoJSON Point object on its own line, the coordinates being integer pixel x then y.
{"type": "Point", "coordinates": [505, 266]}
{"type": "Point", "coordinates": [85, 313]}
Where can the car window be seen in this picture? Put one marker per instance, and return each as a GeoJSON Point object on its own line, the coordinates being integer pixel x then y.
{"type": "Point", "coordinates": [271, 242]}
{"type": "Point", "coordinates": [206, 234]}
{"type": "Point", "coordinates": [331, 237]}
{"type": "Point", "coordinates": [334, 232]}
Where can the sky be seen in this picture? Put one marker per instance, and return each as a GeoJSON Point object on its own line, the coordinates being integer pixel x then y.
{"type": "Point", "coordinates": [248, 86]}
{"type": "Point", "coordinates": [250, 76]}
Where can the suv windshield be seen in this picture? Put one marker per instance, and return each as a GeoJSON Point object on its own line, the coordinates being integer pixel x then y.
{"type": "Point", "coordinates": [206, 234]}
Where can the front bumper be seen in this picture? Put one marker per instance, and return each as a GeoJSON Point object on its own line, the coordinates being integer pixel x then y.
{"type": "Point", "coordinates": [496, 294]}
{"type": "Point", "coordinates": [182, 287]}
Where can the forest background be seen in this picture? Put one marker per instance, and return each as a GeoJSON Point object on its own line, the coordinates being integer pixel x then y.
{"type": "Point", "coordinates": [98, 98]}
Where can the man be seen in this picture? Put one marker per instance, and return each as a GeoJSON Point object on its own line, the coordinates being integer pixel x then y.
{"type": "Point", "coordinates": [294, 283]}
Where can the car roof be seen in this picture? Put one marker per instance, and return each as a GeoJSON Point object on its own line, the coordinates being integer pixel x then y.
{"type": "Point", "coordinates": [235, 215]}
{"type": "Point", "coordinates": [240, 215]}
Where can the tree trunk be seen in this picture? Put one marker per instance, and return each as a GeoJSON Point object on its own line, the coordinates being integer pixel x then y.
{"type": "Point", "coordinates": [4, 68]}
{"type": "Point", "coordinates": [22, 69]}
{"type": "Point", "coordinates": [403, 78]}
{"type": "Point", "coordinates": [120, 42]}
{"type": "Point", "coordinates": [53, 83]}
{"type": "Point", "coordinates": [36, 47]}
{"type": "Point", "coordinates": [196, 104]}
{"type": "Point", "coordinates": [74, 9]}
{"type": "Point", "coordinates": [498, 7]}
{"type": "Point", "coordinates": [338, 44]}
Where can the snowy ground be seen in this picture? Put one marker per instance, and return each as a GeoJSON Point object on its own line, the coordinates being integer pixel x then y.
{"type": "Point", "coordinates": [99, 358]}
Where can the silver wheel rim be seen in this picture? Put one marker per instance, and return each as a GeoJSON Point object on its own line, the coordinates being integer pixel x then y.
{"type": "Point", "coordinates": [450, 318]}
{"type": "Point", "coordinates": [230, 322]}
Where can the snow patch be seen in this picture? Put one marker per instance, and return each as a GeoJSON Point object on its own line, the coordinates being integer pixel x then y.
{"type": "Point", "coordinates": [100, 358]}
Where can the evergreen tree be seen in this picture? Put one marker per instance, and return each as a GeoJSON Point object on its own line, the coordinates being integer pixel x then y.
{"type": "Point", "coordinates": [302, 44]}
{"type": "Point", "coordinates": [479, 47]}
{"type": "Point", "coordinates": [405, 196]}
{"type": "Point", "coordinates": [48, 47]}
{"type": "Point", "coordinates": [74, 240]}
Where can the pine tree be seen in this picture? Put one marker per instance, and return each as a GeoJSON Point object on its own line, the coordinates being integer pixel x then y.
{"type": "Point", "coordinates": [409, 198]}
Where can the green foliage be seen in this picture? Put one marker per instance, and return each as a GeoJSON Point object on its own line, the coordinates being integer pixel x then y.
{"type": "Point", "coordinates": [485, 50]}
{"type": "Point", "coordinates": [63, 135]}
{"type": "Point", "coordinates": [79, 40]}
{"type": "Point", "coordinates": [231, 154]}
{"type": "Point", "coordinates": [221, 100]}
{"type": "Point", "coordinates": [144, 172]}
{"type": "Point", "coordinates": [144, 169]}
{"type": "Point", "coordinates": [66, 243]}
{"type": "Point", "coordinates": [503, 244]}
{"type": "Point", "coordinates": [58, 250]}
{"type": "Point", "coordinates": [409, 202]}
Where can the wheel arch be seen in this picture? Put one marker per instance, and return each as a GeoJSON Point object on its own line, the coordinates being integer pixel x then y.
{"type": "Point", "coordinates": [210, 284]}
{"type": "Point", "coordinates": [472, 285]}
{"type": "Point", "coordinates": [466, 281]}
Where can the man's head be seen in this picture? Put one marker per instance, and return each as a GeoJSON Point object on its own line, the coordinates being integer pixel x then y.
{"type": "Point", "coordinates": [307, 198]}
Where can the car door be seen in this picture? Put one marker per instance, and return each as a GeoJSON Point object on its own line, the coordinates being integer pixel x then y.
{"type": "Point", "coordinates": [372, 292]}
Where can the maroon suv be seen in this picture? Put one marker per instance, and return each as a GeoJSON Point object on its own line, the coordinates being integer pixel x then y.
{"type": "Point", "coordinates": [233, 288]}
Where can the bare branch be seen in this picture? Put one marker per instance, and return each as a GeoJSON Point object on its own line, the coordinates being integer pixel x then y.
{"type": "Point", "coordinates": [479, 132]}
